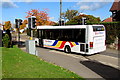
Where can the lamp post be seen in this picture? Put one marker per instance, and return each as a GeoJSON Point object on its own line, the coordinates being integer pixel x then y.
{"type": "Point", "coordinates": [60, 12]}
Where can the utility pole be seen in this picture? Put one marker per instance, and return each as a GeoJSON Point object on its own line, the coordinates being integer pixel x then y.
{"type": "Point", "coordinates": [60, 12]}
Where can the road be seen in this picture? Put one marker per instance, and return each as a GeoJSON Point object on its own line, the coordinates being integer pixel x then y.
{"type": "Point", "coordinates": [103, 65]}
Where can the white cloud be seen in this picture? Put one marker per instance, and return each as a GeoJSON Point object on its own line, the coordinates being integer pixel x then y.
{"type": "Point", "coordinates": [8, 4]}
{"type": "Point", "coordinates": [91, 5]}
{"type": "Point", "coordinates": [11, 4]}
{"type": "Point", "coordinates": [85, 7]}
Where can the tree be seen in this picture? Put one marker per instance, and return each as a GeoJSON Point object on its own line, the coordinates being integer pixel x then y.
{"type": "Point", "coordinates": [23, 24]}
{"type": "Point", "coordinates": [93, 19]}
{"type": "Point", "coordinates": [52, 23]}
{"type": "Point", "coordinates": [78, 19]}
{"type": "Point", "coordinates": [7, 25]}
{"type": "Point", "coordinates": [6, 40]}
{"type": "Point", "coordinates": [41, 16]}
{"type": "Point", "coordinates": [69, 14]}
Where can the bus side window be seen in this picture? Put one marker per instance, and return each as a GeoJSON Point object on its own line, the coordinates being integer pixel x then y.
{"type": "Point", "coordinates": [79, 35]}
{"type": "Point", "coordinates": [52, 34]}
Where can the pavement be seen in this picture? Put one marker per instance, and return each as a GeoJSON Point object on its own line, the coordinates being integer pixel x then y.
{"type": "Point", "coordinates": [89, 67]}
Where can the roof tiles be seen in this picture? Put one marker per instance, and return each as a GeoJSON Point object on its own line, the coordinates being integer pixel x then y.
{"type": "Point", "coordinates": [116, 5]}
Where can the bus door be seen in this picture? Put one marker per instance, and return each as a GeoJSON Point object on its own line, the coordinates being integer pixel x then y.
{"type": "Point", "coordinates": [40, 38]}
{"type": "Point", "coordinates": [83, 40]}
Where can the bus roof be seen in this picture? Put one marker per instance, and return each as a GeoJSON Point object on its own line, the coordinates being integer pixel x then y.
{"type": "Point", "coordinates": [65, 27]}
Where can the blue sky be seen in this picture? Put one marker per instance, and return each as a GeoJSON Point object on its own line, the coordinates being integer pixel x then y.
{"type": "Point", "coordinates": [18, 9]}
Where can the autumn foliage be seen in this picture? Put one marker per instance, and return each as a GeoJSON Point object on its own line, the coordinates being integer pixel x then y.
{"type": "Point", "coordinates": [23, 24]}
{"type": "Point", "coordinates": [7, 25]}
{"type": "Point", "coordinates": [41, 16]}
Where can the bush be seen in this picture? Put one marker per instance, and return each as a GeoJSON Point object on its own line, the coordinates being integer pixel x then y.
{"type": "Point", "coordinates": [6, 41]}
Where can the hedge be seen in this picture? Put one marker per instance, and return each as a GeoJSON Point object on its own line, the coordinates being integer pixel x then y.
{"type": "Point", "coordinates": [112, 30]}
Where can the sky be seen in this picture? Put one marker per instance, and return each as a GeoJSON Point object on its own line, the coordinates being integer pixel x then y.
{"type": "Point", "coordinates": [11, 10]}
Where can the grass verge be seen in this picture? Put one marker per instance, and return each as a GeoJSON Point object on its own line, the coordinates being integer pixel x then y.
{"type": "Point", "coordinates": [18, 64]}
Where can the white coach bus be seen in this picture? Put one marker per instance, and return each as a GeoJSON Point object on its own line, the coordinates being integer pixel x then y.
{"type": "Point", "coordinates": [84, 39]}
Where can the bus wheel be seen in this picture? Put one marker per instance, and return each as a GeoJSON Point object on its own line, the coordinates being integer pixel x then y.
{"type": "Point", "coordinates": [67, 49]}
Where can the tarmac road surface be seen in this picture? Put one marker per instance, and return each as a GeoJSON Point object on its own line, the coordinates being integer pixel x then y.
{"type": "Point", "coordinates": [99, 66]}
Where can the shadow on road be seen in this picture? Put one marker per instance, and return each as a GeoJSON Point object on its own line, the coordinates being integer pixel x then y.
{"type": "Point", "coordinates": [107, 72]}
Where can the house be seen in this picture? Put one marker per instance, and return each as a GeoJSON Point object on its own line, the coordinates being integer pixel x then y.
{"type": "Point", "coordinates": [115, 9]}
{"type": "Point", "coordinates": [108, 20]}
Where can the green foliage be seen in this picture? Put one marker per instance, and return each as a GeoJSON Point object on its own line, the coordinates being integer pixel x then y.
{"type": "Point", "coordinates": [18, 64]}
{"type": "Point", "coordinates": [112, 30]}
{"type": "Point", "coordinates": [78, 19]}
{"type": "Point", "coordinates": [91, 18]}
{"type": "Point", "coordinates": [6, 40]}
{"type": "Point", "coordinates": [69, 14]}
{"type": "Point", "coordinates": [71, 23]}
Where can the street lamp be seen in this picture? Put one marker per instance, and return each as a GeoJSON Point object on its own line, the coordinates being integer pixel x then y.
{"type": "Point", "coordinates": [60, 12]}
